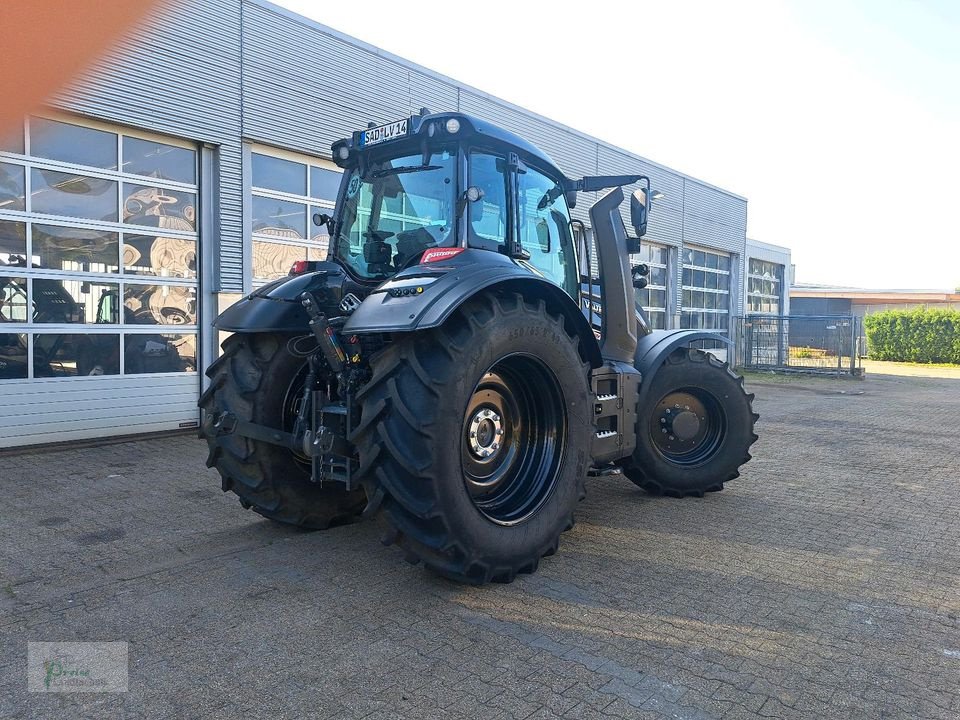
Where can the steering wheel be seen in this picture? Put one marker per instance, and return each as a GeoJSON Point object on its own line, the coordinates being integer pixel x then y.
{"type": "Point", "coordinates": [410, 243]}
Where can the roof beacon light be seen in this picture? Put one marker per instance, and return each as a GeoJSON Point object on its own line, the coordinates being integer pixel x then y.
{"type": "Point", "coordinates": [343, 152]}
{"type": "Point", "coordinates": [453, 126]}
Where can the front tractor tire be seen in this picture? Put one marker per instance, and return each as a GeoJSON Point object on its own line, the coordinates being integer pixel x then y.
{"type": "Point", "coordinates": [695, 427]}
{"type": "Point", "coordinates": [258, 380]}
{"type": "Point", "coordinates": [474, 439]}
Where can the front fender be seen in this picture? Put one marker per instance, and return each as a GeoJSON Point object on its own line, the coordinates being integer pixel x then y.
{"type": "Point", "coordinates": [653, 350]}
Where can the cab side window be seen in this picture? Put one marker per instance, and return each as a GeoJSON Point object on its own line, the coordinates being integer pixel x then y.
{"type": "Point", "coordinates": [488, 215]}
{"type": "Point", "coordinates": [544, 228]}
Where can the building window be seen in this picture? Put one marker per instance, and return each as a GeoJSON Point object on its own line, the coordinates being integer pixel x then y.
{"type": "Point", "coordinates": [287, 191]}
{"type": "Point", "coordinates": [652, 299]}
{"type": "Point", "coordinates": [764, 287]}
{"type": "Point", "coordinates": [705, 297]}
{"type": "Point", "coordinates": [98, 252]}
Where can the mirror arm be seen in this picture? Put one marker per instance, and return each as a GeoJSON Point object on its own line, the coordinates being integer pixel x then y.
{"type": "Point", "coordinates": [592, 183]}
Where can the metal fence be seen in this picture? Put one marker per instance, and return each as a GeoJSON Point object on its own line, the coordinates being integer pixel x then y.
{"type": "Point", "coordinates": [805, 343]}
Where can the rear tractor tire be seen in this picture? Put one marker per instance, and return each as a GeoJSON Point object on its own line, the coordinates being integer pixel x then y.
{"type": "Point", "coordinates": [474, 439]}
{"type": "Point", "coordinates": [259, 381]}
{"type": "Point", "coordinates": [695, 427]}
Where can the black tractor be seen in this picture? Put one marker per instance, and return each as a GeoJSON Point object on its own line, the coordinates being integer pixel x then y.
{"type": "Point", "coordinates": [454, 366]}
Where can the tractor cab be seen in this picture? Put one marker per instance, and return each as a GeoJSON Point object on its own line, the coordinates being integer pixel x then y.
{"type": "Point", "coordinates": [427, 187]}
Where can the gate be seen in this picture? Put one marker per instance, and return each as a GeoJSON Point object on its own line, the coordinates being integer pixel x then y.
{"type": "Point", "coordinates": [805, 343]}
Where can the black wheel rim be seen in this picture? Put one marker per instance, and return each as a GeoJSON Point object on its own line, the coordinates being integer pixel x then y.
{"type": "Point", "coordinates": [290, 410]}
{"type": "Point", "coordinates": [514, 430]}
{"type": "Point", "coordinates": [687, 426]}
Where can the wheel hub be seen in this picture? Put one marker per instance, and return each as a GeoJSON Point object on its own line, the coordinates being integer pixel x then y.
{"type": "Point", "coordinates": [512, 439]}
{"type": "Point", "coordinates": [683, 424]}
{"type": "Point", "coordinates": [687, 425]}
{"type": "Point", "coordinates": [485, 433]}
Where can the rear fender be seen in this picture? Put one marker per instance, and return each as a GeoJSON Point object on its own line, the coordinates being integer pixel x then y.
{"type": "Point", "coordinates": [425, 296]}
{"type": "Point", "coordinates": [276, 306]}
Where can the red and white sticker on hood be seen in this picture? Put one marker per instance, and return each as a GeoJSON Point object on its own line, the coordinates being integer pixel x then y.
{"type": "Point", "coordinates": [438, 254]}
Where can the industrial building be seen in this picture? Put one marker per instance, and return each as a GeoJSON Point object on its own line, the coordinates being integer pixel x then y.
{"type": "Point", "coordinates": [182, 171]}
{"type": "Point", "coordinates": [810, 299]}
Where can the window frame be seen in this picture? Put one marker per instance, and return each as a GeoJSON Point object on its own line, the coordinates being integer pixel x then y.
{"type": "Point", "coordinates": [777, 280]}
{"type": "Point", "coordinates": [120, 276]}
{"type": "Point", "coordinates": [648, 309]}
{"type": "Point", "coordinates": [721, 313]}
{"type": "Point", "coordinates": [311, 204]}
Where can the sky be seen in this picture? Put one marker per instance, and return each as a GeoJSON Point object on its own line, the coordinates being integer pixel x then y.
{"type": "Point", "coordinates": [839, 121]}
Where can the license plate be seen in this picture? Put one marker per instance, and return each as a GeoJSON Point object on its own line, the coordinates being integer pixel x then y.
{"type": "Point", "coordinates": [382, 133]}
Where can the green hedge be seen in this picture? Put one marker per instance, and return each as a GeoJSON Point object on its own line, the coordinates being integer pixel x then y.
{"type": "Point", "coordinates": [921, 335]}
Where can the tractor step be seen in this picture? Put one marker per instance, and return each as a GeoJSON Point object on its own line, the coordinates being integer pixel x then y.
{"type": "Point", "coordinates": [608, 471]}
{"type": "Point", "coordinates": [616, 389]}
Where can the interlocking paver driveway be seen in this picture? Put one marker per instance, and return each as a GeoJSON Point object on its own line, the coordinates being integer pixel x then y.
{"type": "Point", "coordinates": [824, 583]}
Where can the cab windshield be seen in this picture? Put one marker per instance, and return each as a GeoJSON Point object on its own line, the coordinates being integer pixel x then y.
{"type": "Point", "coordinates": [399, 208]}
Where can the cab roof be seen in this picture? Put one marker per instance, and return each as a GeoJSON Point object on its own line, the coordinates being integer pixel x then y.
{"type": "Point", "coordinates": [471, 127]}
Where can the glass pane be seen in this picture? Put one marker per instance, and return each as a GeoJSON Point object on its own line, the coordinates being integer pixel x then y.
{"type": "Point", "coordinates": [723, 282]}
{"type": "Point", "coordinates": [75, 249]}
{"type": "Point", "coordinates": [712, 260]}
{"type": "Point", "coordinates": [699, 259]}
{"type": "Point", "coordinates": [159, 353]}
{"type": "Point", "coordinates": [57, 193]}
{"type": "Point", "coordinates": [13, 299]}
{"type": "Point", "coordinates": [159, 305]}
{"type": "Point", "coordinates": [724, 262]}
{"type": "Point", "coordinates": [12, 142]}
{"type": "Point", "coordinates": [544, 229]}
{"type": "Point", "coordinates": [657, 276]}
{"type": "Point", "coordinates": [75, 301]}
{"type": "Point", "coordinates": [12, 183]}
{"type": "Point", "coordinates": [66, 355]}
{"type": "Point", "coordinates": [13, 243]}
{"type": "Point", "coordinates": [273, 260]}
{"type": "Point", "coordinates": [488, 216]}
{"type": "Point", "coordinates": [159, 160]}
{"type": "Point", "coordinates": [159, 208]}
{"type": "Point", "coordinates": [324, 183]}
{"type": "Point", "coordinates": [72, 143]}
{"type": "Point", "coordinates": [656, 320]}
{"type": "Point", "coordinates": [275, 173]}
{"type": "Point", "coordinates": [13, 356]}
{"type": "Point", "coordinates": [163, 256]}
{"type": "Point", "coordinates": [279, 218]}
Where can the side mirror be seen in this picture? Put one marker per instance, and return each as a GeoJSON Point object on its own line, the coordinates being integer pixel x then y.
{"type": "Point", "coordinates": [639, 203]}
